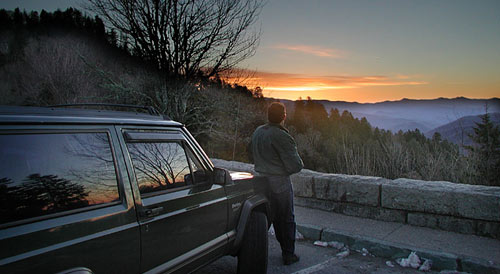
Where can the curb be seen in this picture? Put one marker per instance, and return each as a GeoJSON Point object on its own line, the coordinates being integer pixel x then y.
{"type": "Point", "coordinates": [390, 250]}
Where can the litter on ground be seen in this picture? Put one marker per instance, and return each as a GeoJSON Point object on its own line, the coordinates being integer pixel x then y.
{"type": "Point", "coordinates": [271, 230]}
{"type": "Point", "coordinates": [336, 245]}
{"type": "Point", "coordinates": [321, 243]}
{"type": "Point", "coordinates": [343, 254]}
{"type": "Point", "coordinates": [412, 261]}
{"type": "Point", "coordinates": [364, 251]}
{"type": "Point", "coordinates": [298, 235]}
{"type": "Point", "coordinates": [426, 266]}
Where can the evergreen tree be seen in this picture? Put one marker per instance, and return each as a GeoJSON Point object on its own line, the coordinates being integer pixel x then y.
{"type": "Point", "coordinates": [18, 17]}
{"type": "Point", "coordinates": [298, 118]}
{"type": "Point", "coordinates": [32, 20]}
{"type": "Point", "coordinates": [486, 151]}
{"type": "Point", "coordinates": [5, 20]}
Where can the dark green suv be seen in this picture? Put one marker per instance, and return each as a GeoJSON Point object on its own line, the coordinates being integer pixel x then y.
{"type": "Point", "coordinates": [92, 191]}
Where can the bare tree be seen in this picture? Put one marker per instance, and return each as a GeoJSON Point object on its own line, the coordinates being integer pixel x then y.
{"type": "Point", "coordinates": [185, 38]}
{"type": "Point", "coordinates": [159, 165]}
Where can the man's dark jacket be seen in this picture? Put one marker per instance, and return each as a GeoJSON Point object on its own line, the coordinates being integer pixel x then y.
{"type": "Point", "coordinates": [274, 151]}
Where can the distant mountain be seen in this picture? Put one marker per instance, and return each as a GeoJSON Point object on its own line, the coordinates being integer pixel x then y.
{"type": "Point", "coordinates": [393, 124]}
{"type": "Point", "coordinates": [409, 114]}
{"type": "Point", "coordinates": [458, 131]}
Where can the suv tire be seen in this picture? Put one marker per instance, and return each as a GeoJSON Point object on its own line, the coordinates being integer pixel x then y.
{"type": "Point", "coordinates": [252, 257]}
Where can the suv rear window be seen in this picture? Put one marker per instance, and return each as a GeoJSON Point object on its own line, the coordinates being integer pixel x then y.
{"type": "Point", "coordinates": [42, 174]}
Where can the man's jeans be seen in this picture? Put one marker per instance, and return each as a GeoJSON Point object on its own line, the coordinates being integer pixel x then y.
{"type": "Point", "coordinates": [283, 218]}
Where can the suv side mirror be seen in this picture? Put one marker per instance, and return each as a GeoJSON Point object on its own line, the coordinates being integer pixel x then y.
{"type": "Point", "coordinates": [200, 177]}
{"type": "Point", "coordinates": [221, 176]}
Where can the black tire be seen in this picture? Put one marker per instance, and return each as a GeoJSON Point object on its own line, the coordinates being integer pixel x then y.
{"type": "Point", "coordinates": [252, 257]}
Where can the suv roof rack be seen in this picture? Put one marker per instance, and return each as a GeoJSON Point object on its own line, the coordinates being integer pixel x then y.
{"type": "Point", "coordinates": [150, 110]}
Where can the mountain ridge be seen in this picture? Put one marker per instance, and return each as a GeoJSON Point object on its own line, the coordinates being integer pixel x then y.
{"type": "Point", "coordinates": [459, 130]}
{"type": "Point", "coordinates": [495, 99]}
{"type": "Point", "coordinates": [409, 114]}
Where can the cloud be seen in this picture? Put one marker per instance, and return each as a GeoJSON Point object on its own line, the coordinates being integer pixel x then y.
{"type": "Point", "coordinates": [283, 82]}
{"type": "Point", "coordinates": [360, 88]}
{"type": "Point", "coordinates": [298, 82]}
{"type": "Point", "coordinates": [312, 50]}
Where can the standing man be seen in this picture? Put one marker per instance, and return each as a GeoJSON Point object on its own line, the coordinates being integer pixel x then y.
{"type": "Point", "coordinates": [274, 153]}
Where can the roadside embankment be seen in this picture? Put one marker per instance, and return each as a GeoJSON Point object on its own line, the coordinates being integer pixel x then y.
{"type": "Point", "coordinates": [393, 218]}
{"type": "Point", "coordinates": [467, 209]}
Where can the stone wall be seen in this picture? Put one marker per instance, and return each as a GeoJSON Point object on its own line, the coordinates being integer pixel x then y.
{"type": "Point", "coordinates": [469, 209]}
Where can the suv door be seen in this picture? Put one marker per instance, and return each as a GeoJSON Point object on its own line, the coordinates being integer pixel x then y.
{"type": "Point", "coordinates": [64, 201]}
{"type": "Point", "coordinates": [182, 214]}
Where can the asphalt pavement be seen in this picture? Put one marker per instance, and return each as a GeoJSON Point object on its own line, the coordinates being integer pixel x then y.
{"type": "Point", "coordinates": [313, 259]}
{"type": "Point", "coordinates": [372, 245]}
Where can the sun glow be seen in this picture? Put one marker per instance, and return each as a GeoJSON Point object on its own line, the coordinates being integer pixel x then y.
{"type": "Point", "coordinates": [306, 88]}
{"type": "Point", "coordinates": [361, 88]}
{"type": "Point", "coordinates": [289, 81]}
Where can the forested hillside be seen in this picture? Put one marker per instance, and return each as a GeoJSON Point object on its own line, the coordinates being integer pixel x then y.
{"type": "Point", "coordinates": [409, 114]}
{"type": "Point", "coordinates": [67, 57]}
{"type": "Point", "coordinates": [339, 143]}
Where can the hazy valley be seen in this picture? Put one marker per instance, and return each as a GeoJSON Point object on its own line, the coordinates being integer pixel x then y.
{"type": "Point", "coordinates": [452, 118]}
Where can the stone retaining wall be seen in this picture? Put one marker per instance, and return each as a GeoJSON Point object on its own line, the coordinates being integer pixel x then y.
{"type": "Point", "coordinates": [469, 209]}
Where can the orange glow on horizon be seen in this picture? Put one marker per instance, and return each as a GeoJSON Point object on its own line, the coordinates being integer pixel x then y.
{"type": "Point", "coordinates": [305, 88]}
{"type": "Point", "coordinates": [392, 83]}
{"type": "Point", "coordinates": [362, 89]}
{"type": "Point", "coordinates": [293, 86]}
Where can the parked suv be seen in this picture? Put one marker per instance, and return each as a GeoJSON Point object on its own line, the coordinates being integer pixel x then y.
{"type": "Point", "coordinates": [94, 191]}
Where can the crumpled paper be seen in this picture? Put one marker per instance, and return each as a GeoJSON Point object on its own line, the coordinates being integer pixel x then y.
{"type": "Point", "coordinates": [412, 261]}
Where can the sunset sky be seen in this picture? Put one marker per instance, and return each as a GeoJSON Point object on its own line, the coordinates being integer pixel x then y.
{"type": "Point", "coordinates": [370, 51]}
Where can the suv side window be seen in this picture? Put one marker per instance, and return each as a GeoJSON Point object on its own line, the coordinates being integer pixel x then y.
{"type": "Point", "coordinates": [198, 170]}
{"type": "Point", "coordinates": [43, 174]}
{"type": "Point", "coordinates": [160, 166]}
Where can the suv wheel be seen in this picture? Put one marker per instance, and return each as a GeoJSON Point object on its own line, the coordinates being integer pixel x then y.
{"type": "Point", "coordinates": [252, 257]}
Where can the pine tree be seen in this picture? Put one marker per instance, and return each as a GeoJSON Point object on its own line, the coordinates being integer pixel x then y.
{"type": "Point", "coordinates": [486, 150]}
{"type": "Point", "coordinates": [298, 117]}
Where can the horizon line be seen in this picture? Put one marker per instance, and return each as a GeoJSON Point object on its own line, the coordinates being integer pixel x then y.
{"type": "Point", "coordinates": [385, 101]}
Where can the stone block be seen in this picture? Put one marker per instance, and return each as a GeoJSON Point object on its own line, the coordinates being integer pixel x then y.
{"type": "Point", "coordinates": [315, 203]}
{"type": "Point", "coordinates": [324, 188]}
{"type": "Point", "coordinates": [448, 223]}
{"type": "Point", "coordinates": [478, 202]}
{"type": "Point", "coordinates": [376, 213]}
{"type": "Point", "coordinates": [302, 185]}
{"type": "Point", "coordinates": [444, 198]}
{"type": "Point", "coordinates": [415, 195]}
{"type": "Point", "coordinates": [425, 220]}
{"type": "Point", "coordinates": [311, 232]}
{"type": "Point", "coordinates": [488, 229]}
{"type": "Point", "coordinates": [362, 190]}
{"type": "Point", "coordinates": [460, 225]}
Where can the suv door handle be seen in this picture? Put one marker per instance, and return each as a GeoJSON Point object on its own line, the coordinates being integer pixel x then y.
{"type": "Point", "coordinates": [150, 212]}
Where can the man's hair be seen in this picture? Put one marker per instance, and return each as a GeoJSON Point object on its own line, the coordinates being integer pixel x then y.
{"type": "Point", "coordinates": [276, 112]}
